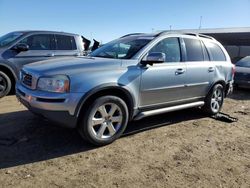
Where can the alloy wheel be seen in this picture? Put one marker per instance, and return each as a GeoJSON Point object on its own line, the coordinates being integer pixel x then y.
{"type": "Point", "coordinates": [106, 121]}
{"type": "Point", "coordinates": [3, 84]}
{"type": "Point", "coordinates": [216, 100]}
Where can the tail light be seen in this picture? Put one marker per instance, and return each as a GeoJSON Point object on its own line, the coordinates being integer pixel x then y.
{"type": "Point", "coordinates": [233, 70]}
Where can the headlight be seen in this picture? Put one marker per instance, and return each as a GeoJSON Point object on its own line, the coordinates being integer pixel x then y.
{"type": "Point", "coordinates": [58, 84]}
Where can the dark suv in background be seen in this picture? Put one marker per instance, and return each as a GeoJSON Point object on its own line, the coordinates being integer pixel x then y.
{"type": "Point", "coordinates": [23, 47]}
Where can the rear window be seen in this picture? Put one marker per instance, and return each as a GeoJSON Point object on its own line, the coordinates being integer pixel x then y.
{"type": "Point", "coordinates": [216, 53]}
{"type": "Point", "coordinates": [65, 42]}
{"type": "Point", "coordinates": [193, 49]}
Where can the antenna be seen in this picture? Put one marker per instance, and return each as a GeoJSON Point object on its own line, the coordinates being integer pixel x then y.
{"type": "Point", "coordinates": [200, 22]}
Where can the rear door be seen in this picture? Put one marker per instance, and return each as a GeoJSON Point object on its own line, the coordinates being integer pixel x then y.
{"type": "Point", "coordinates": [164, 84]}
{"type": "Point", "coordinates": [199, 68]}
{"type": "Point", "coordinates": [66, 46]}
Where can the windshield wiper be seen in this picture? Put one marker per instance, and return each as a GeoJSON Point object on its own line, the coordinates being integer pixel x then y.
{"type": "Point", "coordinates": [112, 57]}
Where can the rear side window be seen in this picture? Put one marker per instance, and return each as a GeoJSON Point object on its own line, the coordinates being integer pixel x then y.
{"type": "Point", "coordinates": [216, 53]}
{"type": "Point", "coordinates": [194, 50]}
{"type": "Point", "coordinates": [65, 42]}
{"type": "Point", "coordinates": [170, 47]}
{"type": "Point", "coordinates": [39, 42]}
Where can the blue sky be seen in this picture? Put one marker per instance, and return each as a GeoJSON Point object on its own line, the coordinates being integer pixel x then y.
{"type": "Point", "coordinates": [109, 19]}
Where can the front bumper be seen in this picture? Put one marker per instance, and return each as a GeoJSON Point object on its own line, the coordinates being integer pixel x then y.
{"type": "Point", "coordinates": [57, 107]}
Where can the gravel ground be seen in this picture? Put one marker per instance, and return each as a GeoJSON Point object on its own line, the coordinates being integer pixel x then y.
{"type": "Point", "coordinates": [180, 149]}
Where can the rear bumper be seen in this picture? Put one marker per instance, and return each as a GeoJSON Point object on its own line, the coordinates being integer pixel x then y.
{"type": "Point", "coordinates": [59, 108]}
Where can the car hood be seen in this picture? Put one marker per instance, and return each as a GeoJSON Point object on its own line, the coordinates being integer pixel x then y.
{"type": "Point", "coordinates": [71, 65]}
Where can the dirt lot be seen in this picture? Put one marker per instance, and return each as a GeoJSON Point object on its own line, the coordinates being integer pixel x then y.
{"type": "Point", "coordinates": [181, 149]}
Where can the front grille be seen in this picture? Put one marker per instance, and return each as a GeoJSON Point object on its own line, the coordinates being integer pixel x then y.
{"type": "Point", "coordinates": [27, 79]}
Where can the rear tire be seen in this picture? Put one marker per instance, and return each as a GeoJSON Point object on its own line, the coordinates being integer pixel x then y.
{"type": "Point", "coordinates": [104, 121]}
{"type": "Point", "coordinates": [214, 100]}
{"type": "Point", "coordinates": [5, 84]}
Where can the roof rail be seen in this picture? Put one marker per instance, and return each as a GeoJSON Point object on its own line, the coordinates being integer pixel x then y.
{"type": "Point", "coordinates": [163, 32]}
{"type": "Point", "coordinates": [131, 34]}
{"type": "Point", "coordinates": [206, 36]}
{"type": "Point", "coordinates": [185, 33]}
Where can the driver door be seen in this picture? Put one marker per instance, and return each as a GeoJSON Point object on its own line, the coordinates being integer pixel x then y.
{"type": "Point", "coordinates": [40, 48]}
{"type": "Point", "coordinates": [164, 84]}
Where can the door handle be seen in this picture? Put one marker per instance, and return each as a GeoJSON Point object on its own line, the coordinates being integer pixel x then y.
{"type": "Point", "coordinates": [211, 69]}
{"type": "Point", "coordinates": [50, 55]}
{"type": "Point", "coordinates": [180, 71]}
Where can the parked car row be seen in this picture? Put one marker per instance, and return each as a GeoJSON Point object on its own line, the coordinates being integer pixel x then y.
{"type": "Point", "coordinates": [24, 47]}
{"type": "Point", "coordinates": [135, 76]}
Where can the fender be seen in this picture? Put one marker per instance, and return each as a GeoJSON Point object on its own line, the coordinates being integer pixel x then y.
{"type": "Point", "coordinates": [103, 87]}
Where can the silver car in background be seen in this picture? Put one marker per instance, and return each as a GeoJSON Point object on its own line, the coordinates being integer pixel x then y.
{"type": "Point", "coordinates": [133, 77]}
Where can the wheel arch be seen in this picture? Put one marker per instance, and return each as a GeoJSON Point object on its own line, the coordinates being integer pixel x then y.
{"type": "Point", "coordinates": [222, 82]}
{"type": "Point", "coordinates": [104, 90]}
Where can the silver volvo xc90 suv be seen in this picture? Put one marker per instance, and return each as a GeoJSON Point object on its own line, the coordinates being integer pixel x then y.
{"type": "Point", "coordinates": [135, 76]}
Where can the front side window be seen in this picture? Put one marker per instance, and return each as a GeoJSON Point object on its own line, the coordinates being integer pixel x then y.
{"type": "Point", "coordinates": [216, 52]}
{"type": "Point", "coordinates": [9, 38]}
{"type": "Point", "coordinates": [39, 42]}
{"type": "Point", "coordinates": [123, 48]}
{"type": "Point", "coordinates": [170, 47]}
{"type": "Point", "coordinates": [65, 42]}
{"type": "Point", "coordinates": [194, 49]}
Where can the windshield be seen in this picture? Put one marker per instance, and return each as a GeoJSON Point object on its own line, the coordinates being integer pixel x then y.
{"type": "Point", "coordinates": [9, 38]}
{"type": "Point", "coordinates": [245, 62]}
{"type": "Point", "coordinates": [123, 48]}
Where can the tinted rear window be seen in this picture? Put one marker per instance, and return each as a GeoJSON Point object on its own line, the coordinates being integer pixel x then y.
{"type": "Point", "coordinates": [65, 42]}
{"type": "Point", "coordinates": [193, 49]}
{"type": "Point", "coordinates": [216, 53]}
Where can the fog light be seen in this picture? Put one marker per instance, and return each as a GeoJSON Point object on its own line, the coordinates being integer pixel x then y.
{"type": "Point", "coordinates": [29, 98]}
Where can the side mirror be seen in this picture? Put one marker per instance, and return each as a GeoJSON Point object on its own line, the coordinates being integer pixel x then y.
{"type": "Point", "coordinates": [21, 47]}
{"type": "Point", "coordinates": [154, 57]}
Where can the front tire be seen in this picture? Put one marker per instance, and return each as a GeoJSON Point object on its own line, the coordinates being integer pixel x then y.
{"type": "Point", "coordinates": [104, 121]}
{"type": "Point", "coordinates": [214, 100]}
{"type": "Point", "coordinates": [5, 84]}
